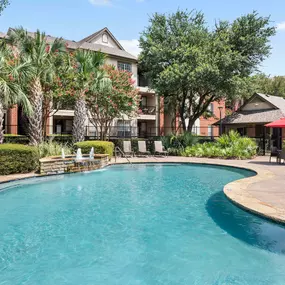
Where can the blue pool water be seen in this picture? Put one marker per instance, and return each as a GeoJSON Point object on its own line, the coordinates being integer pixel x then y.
{"type": "Point", "coordinates": [136, 225]}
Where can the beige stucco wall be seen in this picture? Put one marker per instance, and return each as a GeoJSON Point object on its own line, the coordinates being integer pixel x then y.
{"type": "Point", "coordinates": [110, 43]}
{"type": "Point", "coordinates": [257, 105]}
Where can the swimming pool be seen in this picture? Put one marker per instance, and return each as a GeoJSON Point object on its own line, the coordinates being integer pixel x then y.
{"type": "Point", "coordinates": [140, 224]}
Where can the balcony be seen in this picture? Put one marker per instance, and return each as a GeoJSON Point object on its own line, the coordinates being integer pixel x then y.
{"type": "Point", "coordinates": [147, 113]}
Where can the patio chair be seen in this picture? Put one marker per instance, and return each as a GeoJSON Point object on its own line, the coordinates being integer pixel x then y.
{"type": "Point", "coordinates": [142, 148]}
{"type": "Point", "coordinates": [274, 153]}
{"type": "Point", "coordinates": [281, 156]}
{"type": "Point", "coordinates": [127, 149]}
{"type": "Point", "coordinates": [159, 149]}
{"type": "Point", "coordinates": [151, 111]}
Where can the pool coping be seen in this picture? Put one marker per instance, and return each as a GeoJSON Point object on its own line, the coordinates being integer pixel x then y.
{"type": "Point", "coordinates": [236, 191]}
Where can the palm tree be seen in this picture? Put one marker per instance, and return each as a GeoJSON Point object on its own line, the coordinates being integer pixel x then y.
{"type": "Point", "coordinates": [40, 54]}
{"type": "Point", "coordinates": [87, 65]}
{"type": "Point", "coordinates": [12, 72]}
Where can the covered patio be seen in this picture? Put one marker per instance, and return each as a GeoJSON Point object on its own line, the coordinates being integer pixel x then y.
{"type": "Point", "coordinates": [250, 120]}
{"type": "Point", "coordinates": [279, 152]}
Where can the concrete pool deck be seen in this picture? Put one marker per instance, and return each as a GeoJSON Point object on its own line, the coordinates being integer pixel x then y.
{"type": "Point", "coordinates": [263, 194]}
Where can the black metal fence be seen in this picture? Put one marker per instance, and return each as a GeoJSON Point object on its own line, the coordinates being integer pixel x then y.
{"type": "Point", "coordinates": [265, 138]}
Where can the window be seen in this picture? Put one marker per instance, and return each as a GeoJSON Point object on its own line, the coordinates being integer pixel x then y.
{"type": "Point", "coordinates": [124, 128]}
{"type": "Point", "coordinates": [125, 66]}
{"type": "Point", "coordinates": [242, 131]}
{"type": "Point", "coordinates": [105, 38]}
{"type": "Point", "coordinates": [210, 131]}
{"type": "Point", "coordinates": [211, 108]}
{"type": "Point", "coordinates": [143, 101]}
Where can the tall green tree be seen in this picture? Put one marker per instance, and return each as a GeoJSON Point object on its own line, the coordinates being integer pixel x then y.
{"type": "Point", "coordinates": [85, 66]}
{"type": "Point", "coordinates": [196, 65]}
{"type": "Point", "coordinates": [40, 53]}
{"type": "Point", "coordinates": [269, 85]}
{"type": "Point", "coordinates": [55, 97]}
{"type": "Point", "coordinates": [3, 5]}
{"type": "Point", "coordinates": [112, 95]}
{"type": "Point", "coordinates": [12, 74]}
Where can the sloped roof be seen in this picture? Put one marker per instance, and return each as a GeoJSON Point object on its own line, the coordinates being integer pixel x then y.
{"type": "Point", "coordinates": [90, 38]}
{"type": "Point", "coordinates": [250, 117]}
{"type": "Point", "coordinates": [107, 50]}
{"type": "Point", "coordinates": [117, 52]}
{"type": "Point", "coordinates": [278, 102]}
{"type": "Point", "coordinates": [257, 116]}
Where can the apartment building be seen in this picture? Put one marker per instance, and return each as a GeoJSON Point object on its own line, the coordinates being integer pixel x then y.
{"type": "Point", "coordinates": [151, 119]}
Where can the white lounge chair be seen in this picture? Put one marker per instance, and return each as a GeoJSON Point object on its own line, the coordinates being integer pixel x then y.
{"type": "Point", "coordinates": [159, 149]}
{"type": "Point", "coordinates": [127, 149]}
{"type": "Point", "coordinates": [142, 148]}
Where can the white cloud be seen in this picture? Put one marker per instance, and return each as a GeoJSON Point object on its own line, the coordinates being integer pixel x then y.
{"type": "Point", "coordinates": [131, 46]}
{"type": "Point", "coordinates": [281, 26]}
{"type": "Point", "coordinates": [100, 2]}
{"type": "Point", "coordinates": [106, 2]}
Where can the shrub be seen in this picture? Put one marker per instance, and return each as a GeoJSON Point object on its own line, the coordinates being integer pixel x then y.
{"type": "Point", "coordinates": [65, 139]}
{"type": "Point", "coordinates": [100, 147]}
{"type": "Point", "coordinates": [52, 148]}
{"type": "Point", "coordinates": [17, 158]}
{"type": "Point", "coordinates": [179, 141]}
{"type": "Point", "coordinates": [231, 145]}
{"type": "Point", "coordinates": [16, 139]}
{"type": "Point", "coordinates": [176, 144]}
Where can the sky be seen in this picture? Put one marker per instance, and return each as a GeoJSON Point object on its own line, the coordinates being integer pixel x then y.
{"type": "Point", "coordinates": [126, 19]}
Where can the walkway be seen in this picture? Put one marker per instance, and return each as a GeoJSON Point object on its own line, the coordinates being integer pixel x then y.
{"type": "Point", "coordinates": [263, 194]}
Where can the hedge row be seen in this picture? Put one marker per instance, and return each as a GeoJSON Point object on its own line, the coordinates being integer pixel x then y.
{"type": "Point", "coordinates": [100, 147]}
{"type": "Point", "coordinates": [14, 139]}
{"type": "Point", "coordinates": [17, 158]}
{"type": "Point", "coordinates": [66, 139]}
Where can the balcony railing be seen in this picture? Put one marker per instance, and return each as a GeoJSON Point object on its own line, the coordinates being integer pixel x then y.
{"type": "Point", "coordinates": [147, 110]}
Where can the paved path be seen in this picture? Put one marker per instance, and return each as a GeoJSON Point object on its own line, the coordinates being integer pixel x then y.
{"type": "Point", "coordinates": [263, 194]}
{"type": "Point", "coordinates": [6, 178]}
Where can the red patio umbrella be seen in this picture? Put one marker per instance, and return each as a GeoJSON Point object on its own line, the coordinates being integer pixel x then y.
{"type": "Point", "coordinates": [277, 124]}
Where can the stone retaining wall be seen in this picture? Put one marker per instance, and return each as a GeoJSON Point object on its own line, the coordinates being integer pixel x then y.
{"type": "Point", "coordinates": [57, 165]}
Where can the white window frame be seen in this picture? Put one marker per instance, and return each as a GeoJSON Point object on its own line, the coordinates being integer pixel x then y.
{"type": "Point", "coordinates": [211, 108]}
{"type": "Point", "coordinates": [126, 66]}
{"type": "Point", "coordinates": [210, 130]}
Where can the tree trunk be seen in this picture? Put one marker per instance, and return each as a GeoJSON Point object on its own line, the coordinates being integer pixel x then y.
{"type": "Point", "coordinates": [1, 123]}
{"type": "Point", "coordinates": [35, 120]}
{"type": "Point", "coordinates": [182, 119]}
{"type": "Point", "coordinates": [182, 111]}
{"type": "Point", "coordinates": [80, 114]}
{"type": "Point", "coordinates": [190, 125]}
{"type": "Point", "coordinates": [46, 113]}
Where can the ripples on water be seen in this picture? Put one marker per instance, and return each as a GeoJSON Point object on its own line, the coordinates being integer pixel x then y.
{"type": "Point", "coordinates": [140, 224]}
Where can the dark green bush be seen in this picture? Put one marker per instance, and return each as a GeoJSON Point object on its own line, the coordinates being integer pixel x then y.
{"type": "Point", "coordinates": [179, 141]}
{"type": "Point", "coordinates": [16, 139]}
{"type": "Point", "coordinates": [100, 147]}
{"type": "Point", "coordinates": [64, 139]}
{"type": "Point", "coordinates": [17, 158]}
{"type": "Point", "coordinates": [229, 146]}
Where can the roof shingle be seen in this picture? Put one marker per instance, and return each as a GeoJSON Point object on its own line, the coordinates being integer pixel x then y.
{"type": "Point", "coordinates": [257, 116]}
{"type": "Point", "coordinates": [90, 46]}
